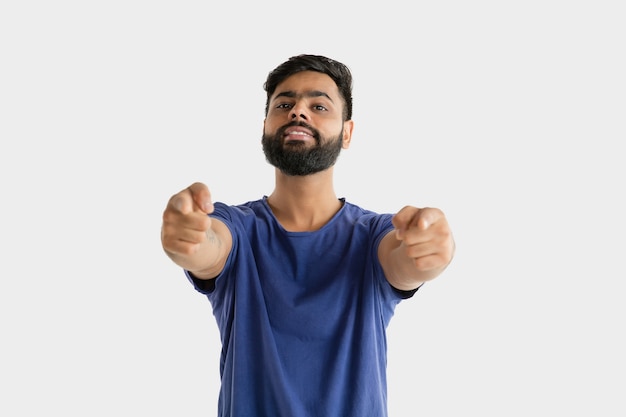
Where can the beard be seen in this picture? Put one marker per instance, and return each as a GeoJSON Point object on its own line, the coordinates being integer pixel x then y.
{"type": "Point", "coordinates": [295, 159]}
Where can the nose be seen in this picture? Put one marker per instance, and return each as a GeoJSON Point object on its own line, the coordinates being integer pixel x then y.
{"type": "Point", "coordinates": [298, 111]}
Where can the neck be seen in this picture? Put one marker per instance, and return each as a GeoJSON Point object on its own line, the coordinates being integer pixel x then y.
{"type": "Point", "coordinates": [304, 203]}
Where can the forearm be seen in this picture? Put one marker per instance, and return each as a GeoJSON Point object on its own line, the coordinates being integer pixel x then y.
{"type": "Point", "coordinates": [205, 259]}
{"type": "Point", "coordinates": [407, 273]}
{"type": "Point", "coordinates": [404, 271]}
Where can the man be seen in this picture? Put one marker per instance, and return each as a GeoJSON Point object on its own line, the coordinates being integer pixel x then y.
{"type": "Point", "coordinates": [302, 283]}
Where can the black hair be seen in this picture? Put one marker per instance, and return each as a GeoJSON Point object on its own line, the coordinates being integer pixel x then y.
{"type": "Point", "coordinates": [339, 72]}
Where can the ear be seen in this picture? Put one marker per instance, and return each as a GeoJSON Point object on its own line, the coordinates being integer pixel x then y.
{"type": "Point", "coordinates": [348, 126]}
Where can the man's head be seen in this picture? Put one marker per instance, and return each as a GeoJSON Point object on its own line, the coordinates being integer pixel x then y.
{"type": "Point", "coordinates": [308, 114]}
{"type": "Point", "coordinates": [339, 73]}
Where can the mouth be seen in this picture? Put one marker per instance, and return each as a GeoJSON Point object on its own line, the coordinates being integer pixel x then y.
{"type": "Point", "coordinates": [299, 134]}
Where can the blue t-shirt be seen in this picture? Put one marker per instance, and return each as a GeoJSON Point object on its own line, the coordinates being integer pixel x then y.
{"type": "Point", "coordinates": [302, 315]}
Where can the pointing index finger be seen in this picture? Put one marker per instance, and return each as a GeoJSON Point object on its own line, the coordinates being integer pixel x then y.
{"type": "Point", "coordinates": [182, 202]}
{"type": "Point", "coordinates": [428, 216]}
{"type": "Point", "coordinates": [404, 219]}
{"type": "Point", "coordinates": [201, 196]}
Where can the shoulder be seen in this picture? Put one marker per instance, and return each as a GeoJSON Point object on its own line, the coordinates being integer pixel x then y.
{"type": "Point", "coordinates": [366, 217]}
{"type": "Point", "coordinates": [239, 211]}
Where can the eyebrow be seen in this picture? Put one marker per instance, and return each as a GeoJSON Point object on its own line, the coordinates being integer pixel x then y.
{"type": "Point", "coordinates": [312, 93]}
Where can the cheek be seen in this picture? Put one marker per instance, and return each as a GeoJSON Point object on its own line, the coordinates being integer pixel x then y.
{"type": "Point", "coordinates": [270, 125]}
{"type": "Point", "coordinates": [268, 128]}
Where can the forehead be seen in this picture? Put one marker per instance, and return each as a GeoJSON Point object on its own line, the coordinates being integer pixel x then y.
{"type": "Point", "coordinates": [308, 81]}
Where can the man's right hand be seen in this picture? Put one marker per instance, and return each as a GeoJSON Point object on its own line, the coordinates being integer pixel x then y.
{"type": "Point", "coordinates": [186, 233]}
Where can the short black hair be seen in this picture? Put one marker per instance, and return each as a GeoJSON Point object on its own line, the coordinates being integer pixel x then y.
{"type": "Point", "coordinates": [339, 72]}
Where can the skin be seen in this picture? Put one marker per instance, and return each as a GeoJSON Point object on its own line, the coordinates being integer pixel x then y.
{"type": "Point", "coordinates": [418, 250]}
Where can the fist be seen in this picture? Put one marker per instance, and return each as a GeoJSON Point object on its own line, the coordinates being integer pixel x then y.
{"type": "Point", "coordinates": [185, 220]}
{"type": "Point", "coordinates": [425, 237]}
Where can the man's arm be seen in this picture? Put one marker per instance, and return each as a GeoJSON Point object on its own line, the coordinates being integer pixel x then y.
{"type": "Point", "coordinates": [192, 239]}
{"type": "Point", "coordinates": [418, 250]}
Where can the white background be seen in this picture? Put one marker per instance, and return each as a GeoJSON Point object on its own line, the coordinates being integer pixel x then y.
{"type": "Point", "coordinates": [510, 116]}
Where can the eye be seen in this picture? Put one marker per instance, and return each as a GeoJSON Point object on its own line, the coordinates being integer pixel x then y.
{"type": "Point", "coordinates": [319, 107]}
{"type": "Point", "coordinates": [284, 106]}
